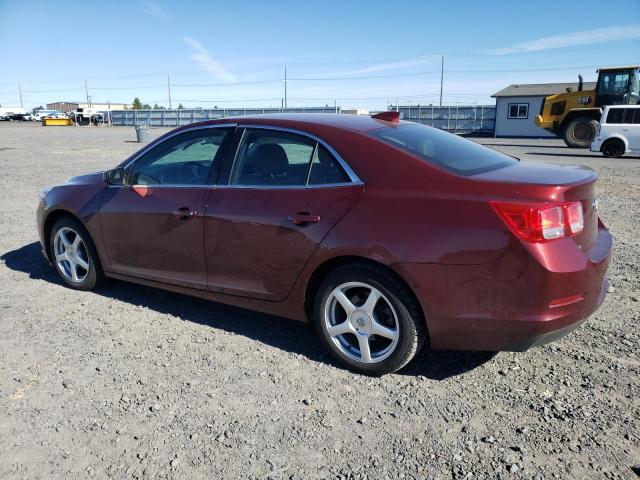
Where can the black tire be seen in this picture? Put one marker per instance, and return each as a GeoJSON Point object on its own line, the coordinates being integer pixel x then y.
{"type": "Point", "coordinates": [411, 326]}
{"type": "Point", "coordinates": [87, 279]}
{"type": "Point", "coordinates": [613, 148]}
{"type": "Point", "coordinates": [579, 132]}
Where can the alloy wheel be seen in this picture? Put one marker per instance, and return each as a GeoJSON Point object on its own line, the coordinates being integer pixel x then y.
{"type": "Point", "coordinates": [71, 255]}
{"type": "Point", "coordinates": [361, 322]}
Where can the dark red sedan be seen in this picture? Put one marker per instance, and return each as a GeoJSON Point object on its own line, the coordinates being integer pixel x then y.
{"type": "Point", "coordinates": [382, 233]}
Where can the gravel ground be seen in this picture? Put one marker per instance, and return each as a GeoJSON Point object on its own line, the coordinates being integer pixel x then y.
{"type": "Point", "coordinates": [134, 382]}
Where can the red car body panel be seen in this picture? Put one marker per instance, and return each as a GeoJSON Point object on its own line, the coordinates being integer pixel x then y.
{"type": "Point", "coordinates": [480, 286]}
{"type": "Point", "coordinates": [147, 237]}
{"type": "Point", "coordinates": [242, 224]}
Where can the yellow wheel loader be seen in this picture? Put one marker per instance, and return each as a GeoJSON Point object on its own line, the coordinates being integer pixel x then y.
{"type": "Point", "coordinates": [574, 116]}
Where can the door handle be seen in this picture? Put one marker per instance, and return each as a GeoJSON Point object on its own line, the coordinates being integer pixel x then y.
{"type": "Point", "coordinates": [303, 218]}
{"type": "Point", "coordinates": [184, 213]}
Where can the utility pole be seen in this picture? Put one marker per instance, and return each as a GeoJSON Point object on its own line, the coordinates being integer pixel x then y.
{"type": "Point", "coordinates": [20, 90]}
{"type": "Point", "coordinates": [169, 89]}
{"type": "Point", "coordinates": [86, 91]}
{"type": "Point", "coordinates": [441, 78]}
{"type": "Point", "coordinates": [285, 86]}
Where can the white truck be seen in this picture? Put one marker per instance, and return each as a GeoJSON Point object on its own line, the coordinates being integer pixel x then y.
{"type": "Point", "coordinates": [8, 112]}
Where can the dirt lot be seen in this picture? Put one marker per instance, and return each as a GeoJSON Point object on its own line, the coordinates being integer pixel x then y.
{"type": "Point", "coordinates": [135, 382]}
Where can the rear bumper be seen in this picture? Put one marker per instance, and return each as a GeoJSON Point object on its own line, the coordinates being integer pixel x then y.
{"type": "Point", "coordinates": [506, 305]}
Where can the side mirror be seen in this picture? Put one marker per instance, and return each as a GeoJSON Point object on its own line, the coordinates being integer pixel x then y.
{"type": "Point", "coordinates": [115, 176]}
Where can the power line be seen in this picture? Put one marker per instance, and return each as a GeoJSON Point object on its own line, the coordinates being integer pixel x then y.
{"type": "Point", "coordinates": [226, 84]}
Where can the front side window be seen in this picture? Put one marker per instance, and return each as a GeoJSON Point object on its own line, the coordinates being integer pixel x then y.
{"type": "Point", "coordinates": [518, 110]}
{"type": "Point", "coordinates": [185, 159]}
{"type": "Point", "coordinates": [443, 149]}
{"type": "Point", "coordinates": [275, 158]}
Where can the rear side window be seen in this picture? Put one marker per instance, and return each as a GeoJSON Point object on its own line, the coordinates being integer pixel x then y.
{"type": "Point", "coordinates": [271, 158]}
{"type": "Point", "coordinates": [443, 149]}
{"type": "Point", "coordinates": [275, 158]}
{"type": "Point", "coordinates": [325, 169]}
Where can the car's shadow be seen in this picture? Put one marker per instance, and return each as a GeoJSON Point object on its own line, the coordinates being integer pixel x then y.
{"type": "Point", "coordinates": [278, 332]}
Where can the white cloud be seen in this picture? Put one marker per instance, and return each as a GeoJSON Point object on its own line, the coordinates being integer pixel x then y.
{"type": "Point", "coordinates": [154, 10]}
{"type": "Point", "coordinates": [381, 67]}
{"type": "Point", "coordinates": [587, 37]}
{"type": "Point", "coordinates": [206, 62]}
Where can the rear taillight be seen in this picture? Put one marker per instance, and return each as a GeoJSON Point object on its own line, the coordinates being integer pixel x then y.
{"type": "Point", "coordinates": [541, 223]}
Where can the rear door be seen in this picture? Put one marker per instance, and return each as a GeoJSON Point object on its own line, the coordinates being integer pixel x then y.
{"type": "Point", "coordinates": [632, 128]}
{"type": "Point", "coordinates": [279, 198]}
{"type": "Point", "coordinates": [153, 226]}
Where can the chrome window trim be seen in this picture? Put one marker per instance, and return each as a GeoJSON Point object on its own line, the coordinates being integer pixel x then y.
{"type": "Point", "coordinates": [355, 180]}
{"type": "Point", "coordinates": [287, 187]}
{"type": "Point", "coordinates": [246, 187]}
{"type": "Point", "coordinates": [165, 185]}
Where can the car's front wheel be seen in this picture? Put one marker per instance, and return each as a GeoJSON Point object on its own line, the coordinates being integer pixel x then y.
{"type": "Point", "coordinates": [368, 319]}
{"type": "Point", "coordinates": [74, 255]}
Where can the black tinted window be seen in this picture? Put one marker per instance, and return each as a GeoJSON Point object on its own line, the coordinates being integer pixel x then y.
{"type": "Point", "coordinates": [615, 115]}
{"type": "Point", "coordinates": [447, 150]}
{"type": "Point", "coordinates": [185, 159]}
{"type": "Point", "coordinates": [325, 169]}
{"type": "Point", "coordinates": [628, 115]}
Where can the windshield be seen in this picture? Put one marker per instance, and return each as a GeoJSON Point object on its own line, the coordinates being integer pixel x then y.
{"type": "Point", "coordinates": [446, 150]}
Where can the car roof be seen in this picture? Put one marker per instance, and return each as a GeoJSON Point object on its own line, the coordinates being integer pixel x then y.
{"type": "Point", "coordinates": [358, 123]}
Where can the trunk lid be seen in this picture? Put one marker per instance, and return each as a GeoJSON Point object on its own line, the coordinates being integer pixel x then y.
{"type": "Point", "coordinates": [526, 182]}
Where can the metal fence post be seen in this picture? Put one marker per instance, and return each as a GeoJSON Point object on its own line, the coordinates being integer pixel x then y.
{"type": "Point", "coordinates": [456, 129]}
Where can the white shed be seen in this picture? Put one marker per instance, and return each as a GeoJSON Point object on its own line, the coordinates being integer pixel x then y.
{"type": "Point", "coordinates": [517, 106]}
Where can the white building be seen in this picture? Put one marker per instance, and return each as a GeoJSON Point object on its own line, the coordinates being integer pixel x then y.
{"type": "Point", "coordinates": [517, 106]}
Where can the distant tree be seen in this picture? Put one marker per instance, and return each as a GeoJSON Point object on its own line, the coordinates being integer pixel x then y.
{"type": "Point", "coordinates": [156, 106]}
{"type": "Point", "coordinates": [137, 104]}
{"type": "Point", "coordinates": [180, 106]}
{"type": "Point", "coordinates": [36, 109]}
{"type": "Point", "coordinates": [146, 106]}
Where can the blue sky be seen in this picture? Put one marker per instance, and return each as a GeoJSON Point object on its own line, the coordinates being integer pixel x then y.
{"type": "Point", "coordinates": [360, 53]}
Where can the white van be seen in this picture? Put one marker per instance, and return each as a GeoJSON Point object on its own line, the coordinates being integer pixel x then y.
{"type": "Point", "coordinates": [618, 132]}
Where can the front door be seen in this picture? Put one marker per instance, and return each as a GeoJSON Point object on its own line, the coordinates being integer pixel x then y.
{"type": "Point", "coordinates": [283, 194]}
{"type": "Point", "coordinates": [153, 226]}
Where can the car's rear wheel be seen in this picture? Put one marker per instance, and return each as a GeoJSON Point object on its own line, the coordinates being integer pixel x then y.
{"type": "Point", "coordinates": [368, 319]}
{"type": "Point", "coordinates": [74, 255]}
{"type": "Point", "coordinates": [612, 148]}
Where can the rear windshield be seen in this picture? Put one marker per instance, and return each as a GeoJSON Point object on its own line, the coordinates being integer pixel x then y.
{"type": "Point", "coordinates": [446, 150]}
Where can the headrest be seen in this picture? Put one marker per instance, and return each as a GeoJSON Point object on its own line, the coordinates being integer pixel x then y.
{"type": "Point", "coordinates": [270, 159]}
